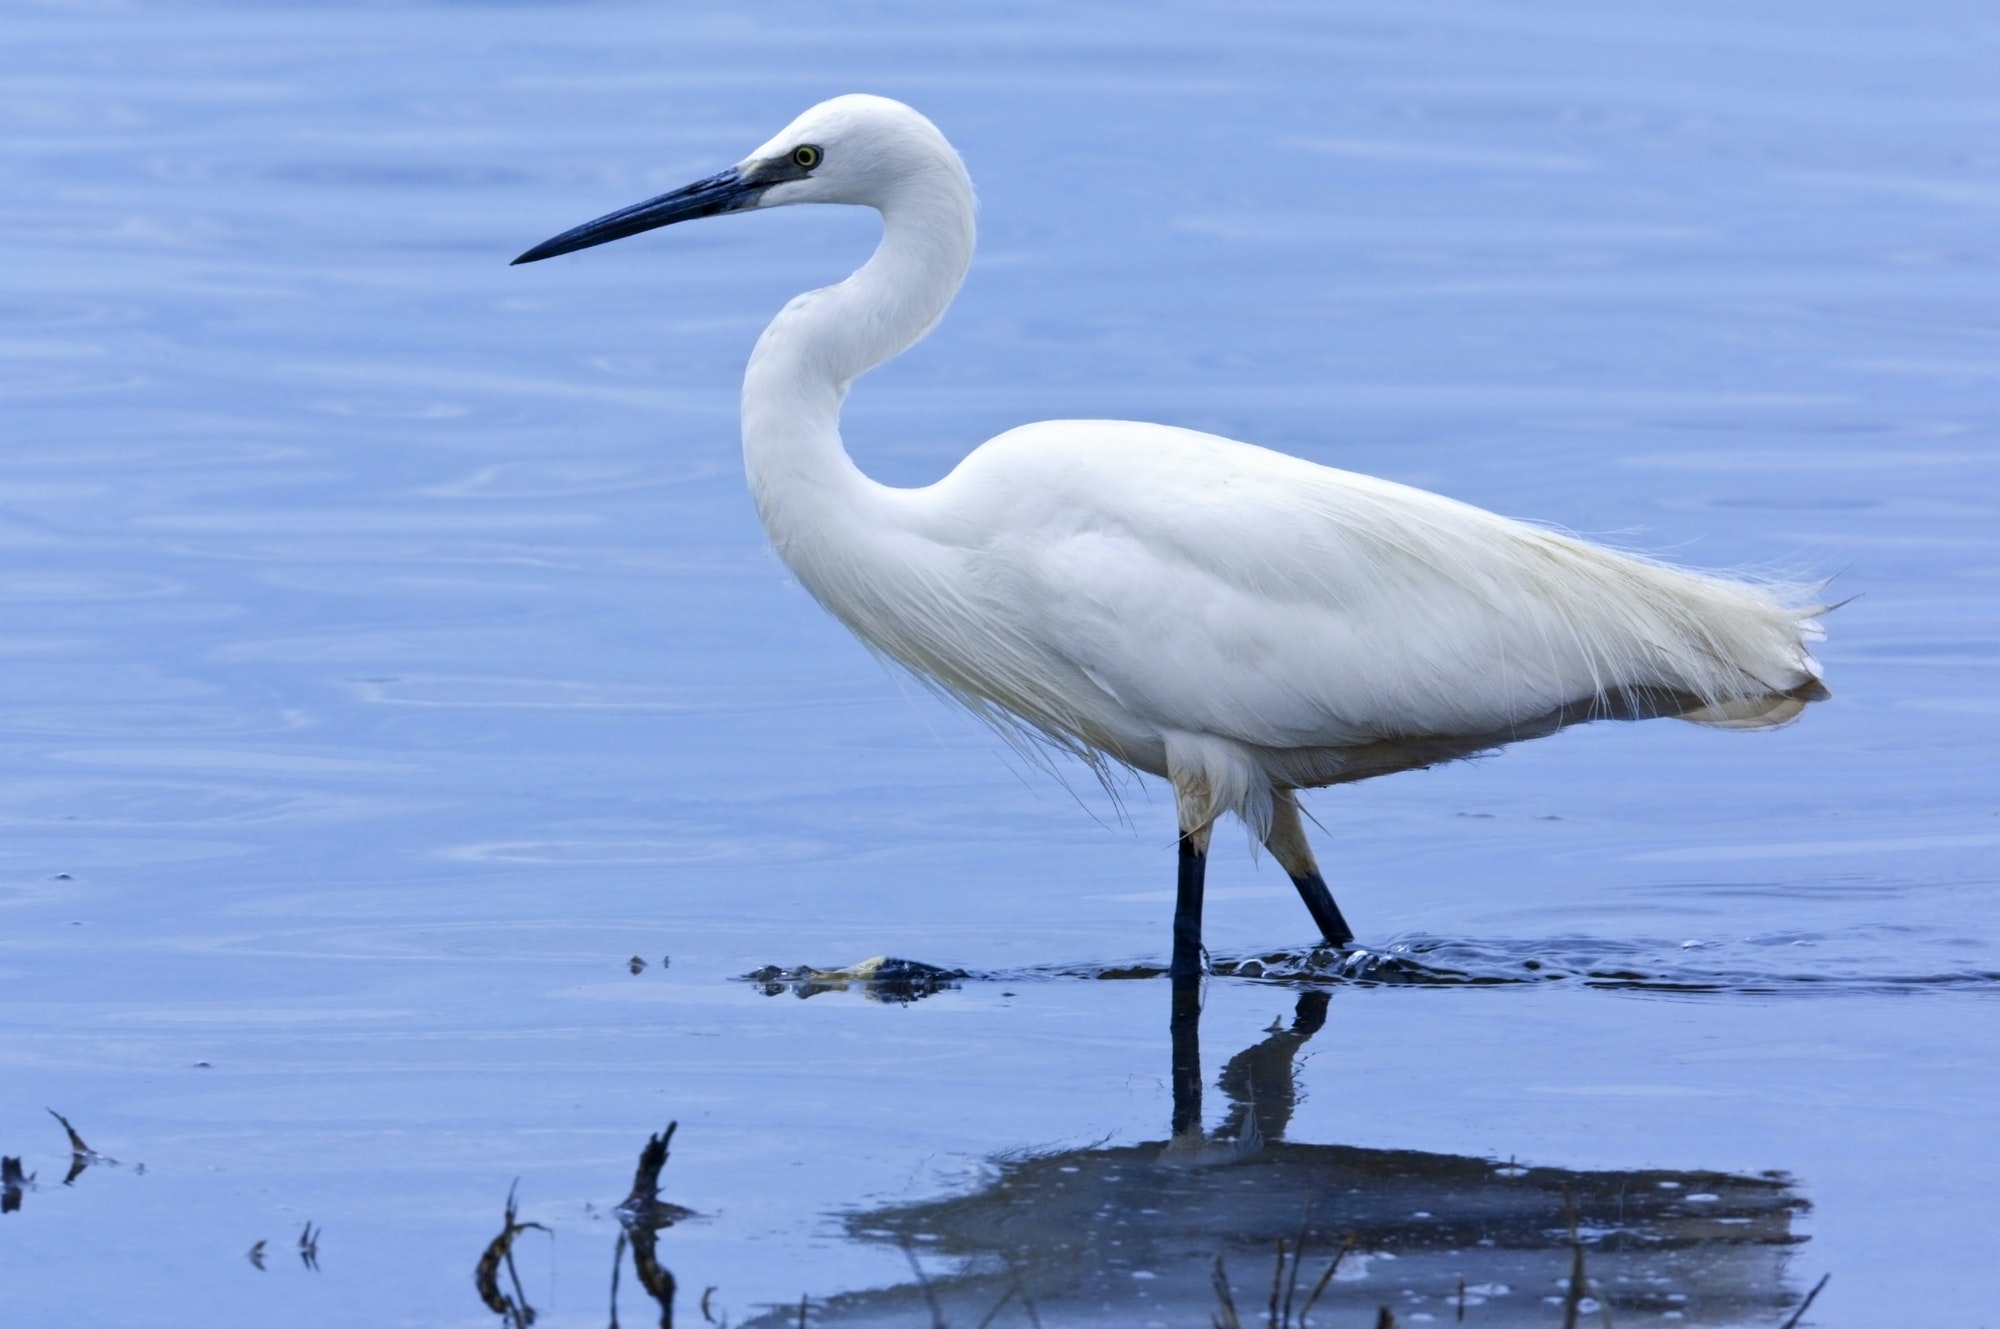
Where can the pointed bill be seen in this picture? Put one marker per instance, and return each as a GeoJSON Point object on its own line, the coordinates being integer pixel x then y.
{"type": "Point", "coordinates": [728, 191]}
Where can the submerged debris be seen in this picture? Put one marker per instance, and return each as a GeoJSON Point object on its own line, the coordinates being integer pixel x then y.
{"type": "Point", "coordinates": [879, 978]}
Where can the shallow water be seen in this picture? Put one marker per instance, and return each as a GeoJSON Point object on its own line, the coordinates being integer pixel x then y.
{"type": "Point", "coordinates": [411, 743]}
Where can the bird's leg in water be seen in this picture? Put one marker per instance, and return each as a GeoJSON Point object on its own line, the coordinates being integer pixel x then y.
{"type": "Point", "coordinates": [1187, 966]}
{"type": "Point", "coordinates": [1287, 843]}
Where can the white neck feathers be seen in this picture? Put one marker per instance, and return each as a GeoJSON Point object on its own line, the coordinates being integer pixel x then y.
{"type": "Point", "coordinates": [800, 475]}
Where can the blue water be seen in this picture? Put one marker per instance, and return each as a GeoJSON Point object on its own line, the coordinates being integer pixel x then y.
{"type": "Point", "coordinates": [391, 656]}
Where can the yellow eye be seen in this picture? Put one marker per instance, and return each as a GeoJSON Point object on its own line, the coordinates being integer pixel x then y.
{"type": "Point", "coordinates": [805, 155]}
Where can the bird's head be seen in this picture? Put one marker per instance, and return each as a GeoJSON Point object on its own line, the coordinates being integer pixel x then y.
{"type": "Point", "coordinates": [852, 149]}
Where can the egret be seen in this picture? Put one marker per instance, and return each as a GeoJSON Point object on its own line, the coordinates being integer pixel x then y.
{"type": "Point", "coordinates": [1243, 623]}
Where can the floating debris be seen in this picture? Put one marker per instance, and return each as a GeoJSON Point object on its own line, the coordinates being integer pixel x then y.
{"type": "Point", "coordinates": [881, 978]}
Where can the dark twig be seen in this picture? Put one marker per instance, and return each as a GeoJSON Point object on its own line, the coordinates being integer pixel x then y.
{"type": "Point", "coordinates": [924, 1286]}
{"type": "Point", "coordinates": [645, 1194]}
{"type": "Point", "coordinates": [499, 1254]}
{"type": "Point", "coordinates": [1333, 1267]}
{"type": "Point", "coordinates": [81, 1155]}
{"type": "Point", "coordinates": [1573, 1300]}
{"type": "Point", "coordinates": [1578, 1280]}
{"type": "Point", "coordinates": [1298, 1262]}
{"type": "Point", "coordinates": [641, 1215]}
{"type": "Point", "coordinates": [1800, 1313]}
{"type": "Point", "coordinates": [1005, 1297]}
{"type": "Point", "coordinates": [1226, 1317]}
{"type": "Point", "coordinates": [309, 1246]}
{"type": "Point", "coordinates": [1277, 1286]}
{"type": "Point", "coordinates": [76, 1144]}
{"type": "Point", "coordinates": [655, 1277]}
{"type": "Point", "coordinates": [617, 1260]}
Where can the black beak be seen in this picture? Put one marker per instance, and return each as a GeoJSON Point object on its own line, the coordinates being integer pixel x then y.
{"type": "Point", "coordinates": [728, 192]}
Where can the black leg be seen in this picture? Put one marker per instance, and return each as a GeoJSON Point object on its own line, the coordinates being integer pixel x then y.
{"type": "Point", "coordinates": [1319, 903]}
{"type": "Point", "coordinates": [1186, 966]}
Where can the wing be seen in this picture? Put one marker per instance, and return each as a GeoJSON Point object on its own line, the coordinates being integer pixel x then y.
{"type": "Point", "coordinates": [1215, 587]}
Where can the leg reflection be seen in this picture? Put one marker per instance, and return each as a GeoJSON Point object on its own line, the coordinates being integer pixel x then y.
{"type": "Point", "coordinates": [1261, 1082]}
{"type": "Point", "coordinates": [1186, 1027]}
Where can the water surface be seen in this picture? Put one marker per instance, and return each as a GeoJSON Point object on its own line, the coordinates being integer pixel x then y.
{"type": "Point", "coordinates": [392, 659]}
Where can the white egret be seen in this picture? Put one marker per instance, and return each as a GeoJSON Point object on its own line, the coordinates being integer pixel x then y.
{"type": "Point", "coordinates": [1243, 623]}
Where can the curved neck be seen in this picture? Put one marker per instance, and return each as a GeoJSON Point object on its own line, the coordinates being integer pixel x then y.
{"type": "Point", "coordinates": [800, 475]}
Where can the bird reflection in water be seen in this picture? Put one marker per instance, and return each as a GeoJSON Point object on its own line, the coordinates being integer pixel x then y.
{"type": "Point", "coordinates": [1124, 1235]}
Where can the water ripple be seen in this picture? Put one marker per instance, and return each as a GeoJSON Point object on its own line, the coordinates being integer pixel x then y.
{"type": "Point", "coordinates": [1684, 967]}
